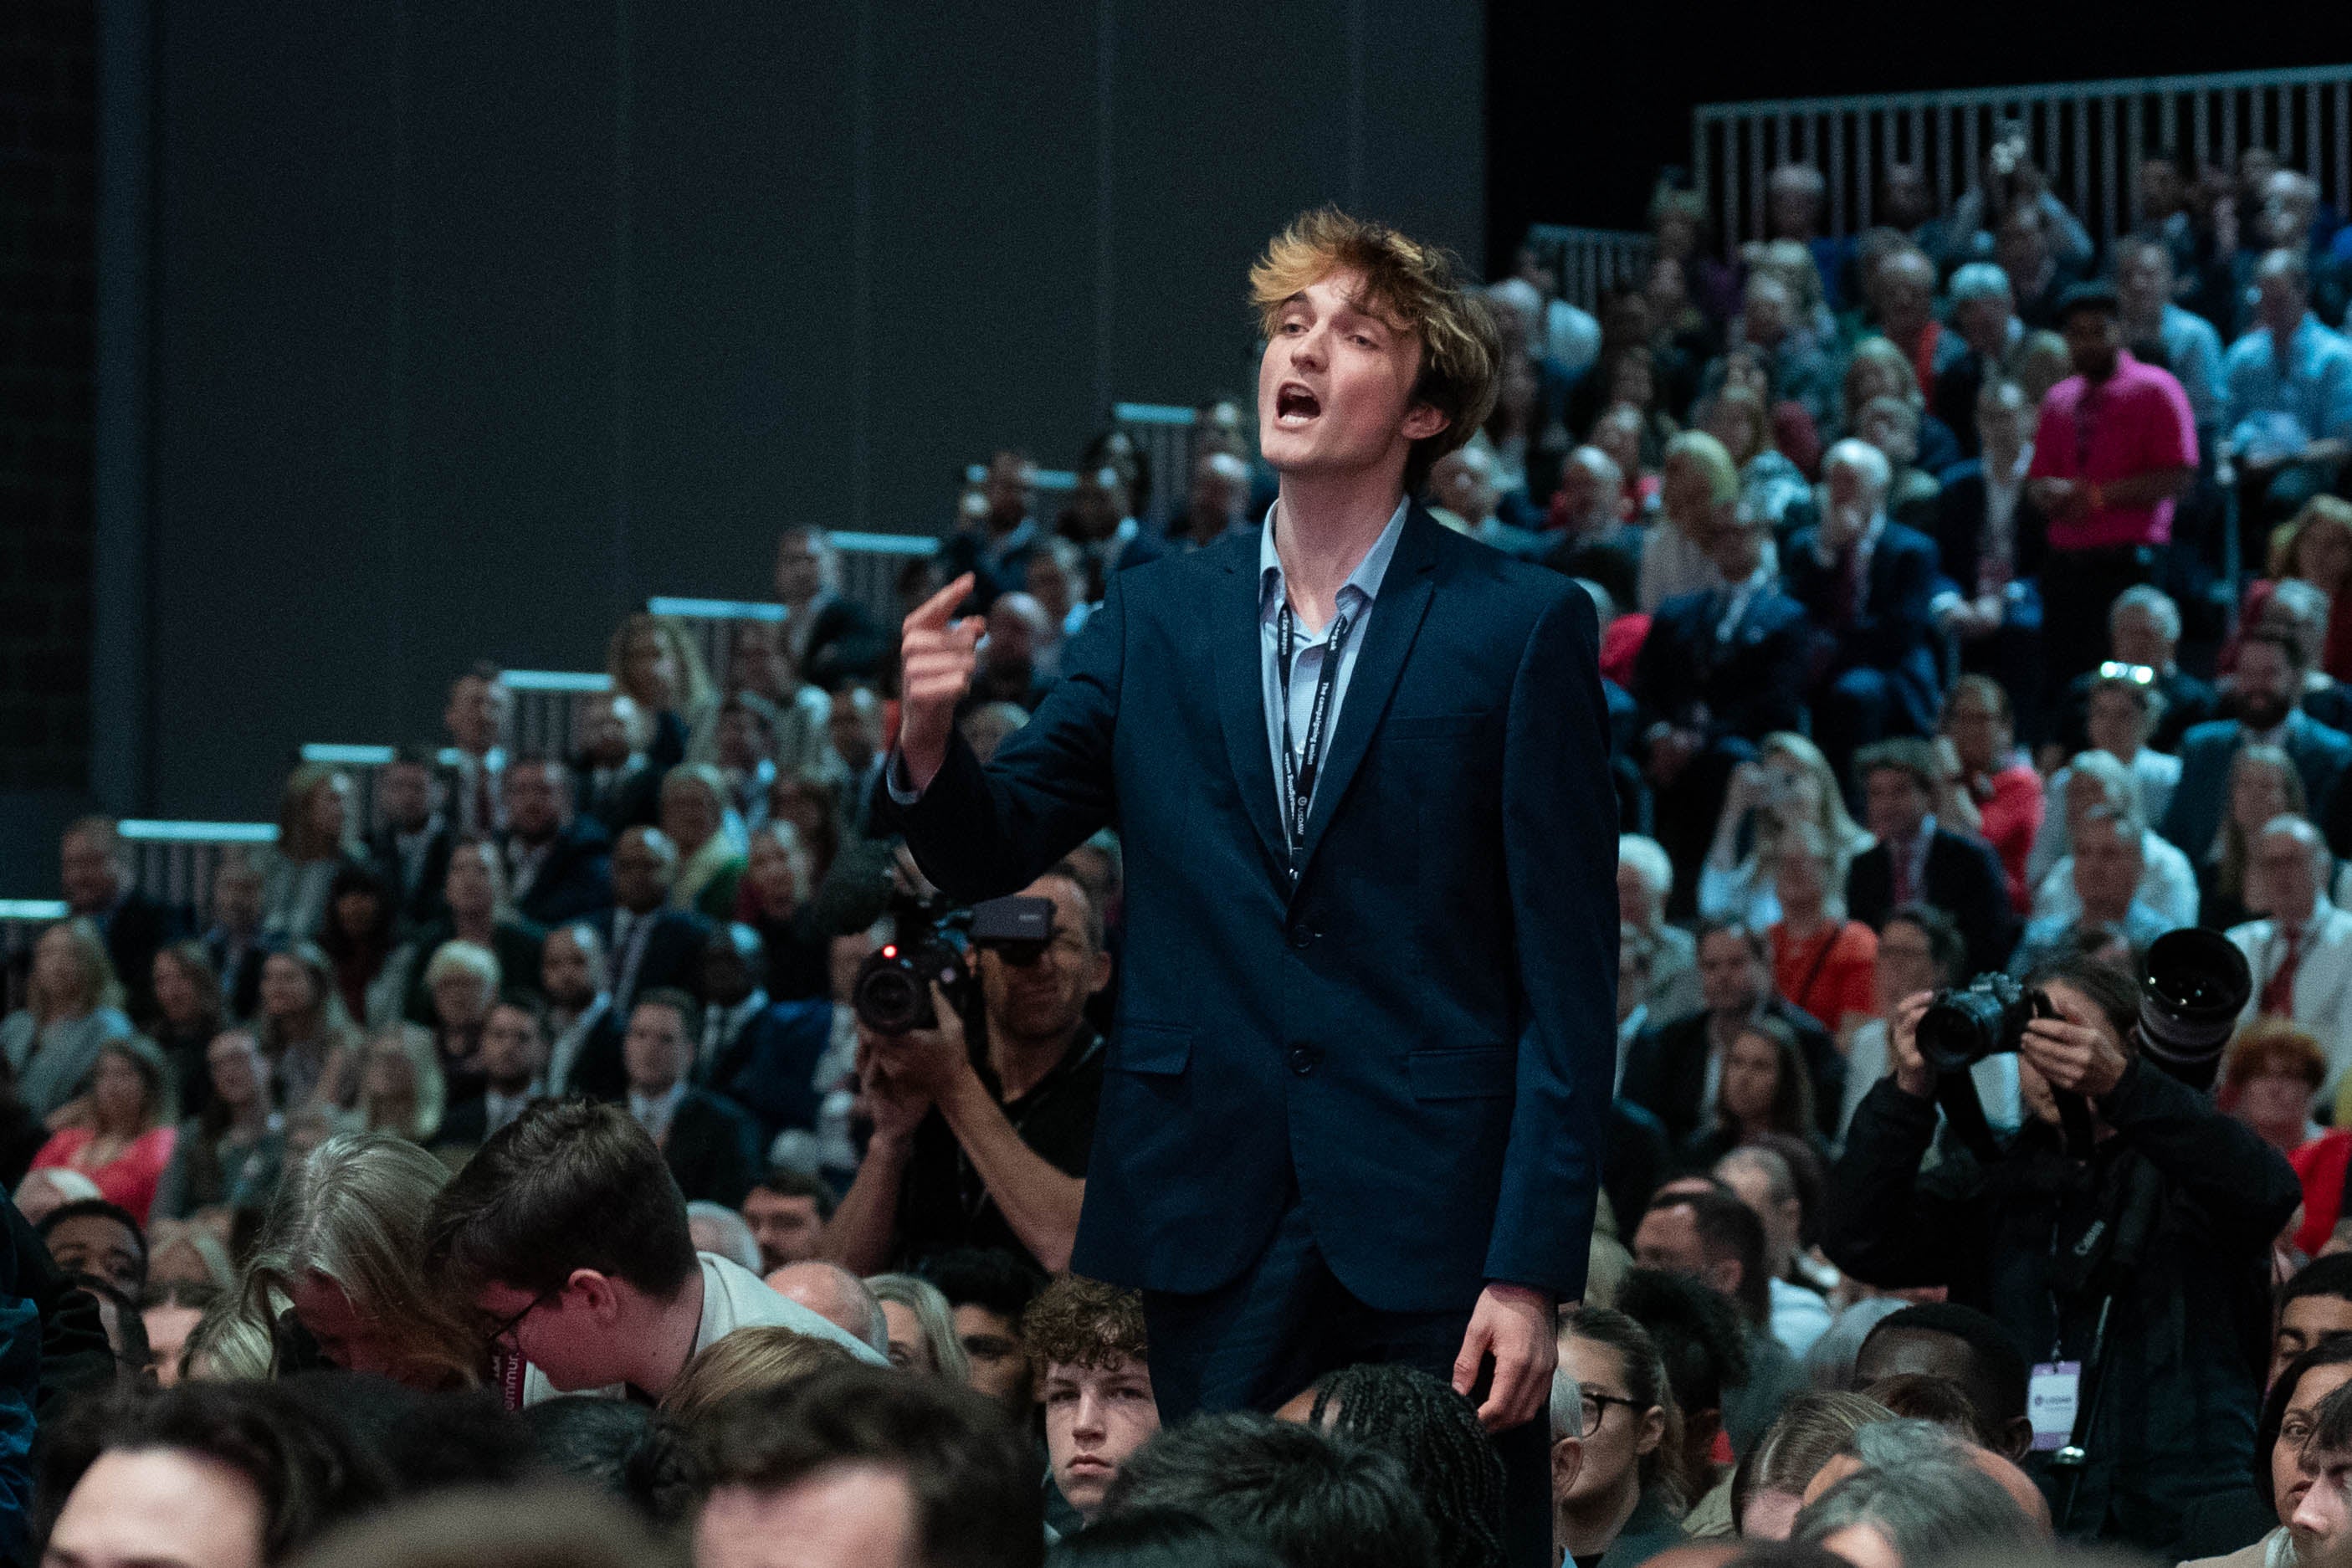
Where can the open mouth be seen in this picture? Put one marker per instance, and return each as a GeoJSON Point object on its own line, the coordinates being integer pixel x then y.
{"type": "Point", "coordinates": [1294, 407]}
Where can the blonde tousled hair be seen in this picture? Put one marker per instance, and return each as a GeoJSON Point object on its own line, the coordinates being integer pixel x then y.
{"type": "Point", "coordinates": [1418, 288]}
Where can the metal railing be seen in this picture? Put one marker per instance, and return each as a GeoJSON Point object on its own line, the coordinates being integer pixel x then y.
{"type": "Point", "coordinates": [175, 861]}
{"type": "Point", "coordinates": [712, 623]}
{"type": "Point", "coordinates": [546, 703]}
{"type": "Point", "coordinates": [2088, 137]}
{"type": "Point", "coordinates": [1162, 433]}
{"type": "Point", "coordinates": [870, 565]}
{"type": "Point", "coordinates": [1589, 262]}
{"type": "Point", "coordinates": [22, 922]}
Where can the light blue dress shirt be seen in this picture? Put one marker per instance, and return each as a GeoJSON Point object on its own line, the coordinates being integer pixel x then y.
{"type": "Point", "coordinates": [2312, 387]}
{"type": "Point", "coordinates": [1308, 648]}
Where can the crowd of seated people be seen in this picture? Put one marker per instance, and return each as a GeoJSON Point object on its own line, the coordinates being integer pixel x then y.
{"type": "Point", "coordinates": [542, 1075]}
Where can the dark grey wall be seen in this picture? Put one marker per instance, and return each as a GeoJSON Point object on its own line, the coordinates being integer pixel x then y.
{"type": "Point", "coordinates": [473, 324]}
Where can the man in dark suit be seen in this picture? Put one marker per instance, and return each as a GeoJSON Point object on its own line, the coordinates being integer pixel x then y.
{"type": "Point", "coordinates": [583, 1054]}
{"type": "Point", "coordinates": [647, 943]}
{"type": "Point", "coordinates": [96, 871]}
{"type": "Point", "coordinates": [1674, 1066]}
{"type": "Point", "coordinates": [708, 1143]}
{"type": "Point", "coordinates": [996, 554]}
{"type": "Point", "coordinates": [1361, 1073]}
{"type": "Point", "coordinates": [1102, 521]}
{"type": "Point", "coordinates": [2265, 688]}
{"type": "Point", "coordinates": [1867, 582]}
{"type": "Point", "coordinates": [762, 1055]}
{"type": "Point", "coordinates": [612, 778]}
{"type": "Point", "coordinates": [1720, 669]}
{"type": "Point", "coordinates": [514, 1068]}
{"type": "Point", "coordinates": [1989, 541]}
{"type": "Point", "coordinates": [558, 864]}
{"type": "Point", "coordinates": [411, 842]}
{"type": "Point", "coordinates": [832, 639]}
{"type": "Point", "coordinates": [1917, 861]}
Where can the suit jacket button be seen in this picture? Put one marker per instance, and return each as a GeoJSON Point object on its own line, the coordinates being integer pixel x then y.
{"type": "Point", "coordinates": [1304, 1058]}
{"type": "Point", "coordinates": [1302, 936]}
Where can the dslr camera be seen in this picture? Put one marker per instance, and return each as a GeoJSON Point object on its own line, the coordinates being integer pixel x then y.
{"type": "Point", "coordinates": [2193, 985]}
{"type": "Point", "coordinates": [931, 942]}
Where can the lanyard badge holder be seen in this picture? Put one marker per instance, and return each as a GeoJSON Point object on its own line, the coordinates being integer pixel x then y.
{"type": "Point", "coordinates": [1301, 764]}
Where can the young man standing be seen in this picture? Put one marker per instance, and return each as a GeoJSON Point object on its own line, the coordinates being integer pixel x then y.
{"type": "Point", "coordinates": [1354, 1100]}
{"type": "Point", "coordinates": [569, 1238]}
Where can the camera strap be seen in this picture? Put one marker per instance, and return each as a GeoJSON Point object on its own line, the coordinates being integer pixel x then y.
{"type": "Point", "coordinates": [1955, 1093]}
{"type": "Point", "coordinates": [2074, 1119]}
{"type": "Point", "coordinates": [1300, 763]}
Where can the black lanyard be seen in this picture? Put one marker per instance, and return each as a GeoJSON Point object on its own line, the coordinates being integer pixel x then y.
{"type": "Point", "coordinates": [1299, 766]}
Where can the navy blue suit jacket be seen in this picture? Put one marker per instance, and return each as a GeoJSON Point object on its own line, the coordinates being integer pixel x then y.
{"type": "Point", "coordinates": [1892, 630]}
{"type": "Point", "coordinates": [1749, 687]}
{"type": "Point", "coordinates": [770, 1066]}
{"type": "Point", "coordinates": [2321, 755]}
{"type": "Point", "coordinates": [576, 878]}
{"type": "Point", "coordinates": [1417, 1038]}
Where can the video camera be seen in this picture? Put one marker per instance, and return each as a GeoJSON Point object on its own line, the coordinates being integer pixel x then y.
{"type": "Point", "coordinates": [931, 941]}
{"type": "Point", "coordinates": [2192, 987]}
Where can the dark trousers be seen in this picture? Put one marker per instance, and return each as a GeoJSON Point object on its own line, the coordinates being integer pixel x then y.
{"type": "Point", "coordinates": [1253, 1344]}
{"type": "Point", "coordinates": [2078, 587]}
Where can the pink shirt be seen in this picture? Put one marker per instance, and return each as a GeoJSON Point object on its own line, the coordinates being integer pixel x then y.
{"type": "Point", "coordinates": [2135, 422]}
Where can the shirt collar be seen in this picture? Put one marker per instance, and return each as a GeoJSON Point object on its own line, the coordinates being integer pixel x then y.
{"type": "Point", "coordinates": [1365, 579]}
{"type": "Point", "coordinates": [666, 1104]}
{"type": "Point", "coordinates": [752, 1006]}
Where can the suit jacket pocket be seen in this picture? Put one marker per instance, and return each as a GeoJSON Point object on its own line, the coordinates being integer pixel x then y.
{"type": "Point", "coordinates": [1460, 1072]}
{"type": "Point", "coordinates": [1152, 1047]}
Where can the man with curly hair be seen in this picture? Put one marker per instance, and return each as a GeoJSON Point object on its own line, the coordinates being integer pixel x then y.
{"type": "Point", "coordinates": [1087, 1342]}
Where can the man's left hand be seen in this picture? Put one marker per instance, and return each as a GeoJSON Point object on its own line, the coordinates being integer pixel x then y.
{"type": "Point", "coordinates": [1516, 1326]}
{"type": "Point", "coordinates": [927, 1061]}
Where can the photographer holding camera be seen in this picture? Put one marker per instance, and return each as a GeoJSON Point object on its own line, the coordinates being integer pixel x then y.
{"type": "Point", "coordinates": [988, 1148]}
{"type": "Point", "coordinates": [2122, 1237]}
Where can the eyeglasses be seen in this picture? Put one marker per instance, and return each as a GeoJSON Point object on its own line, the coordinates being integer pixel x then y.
{"type": "Point", "coordinates": [2138, 674]}
{"type": "Point", "coordinates": [1596, 1408]}
{"type": "Point", "coordinates": [502, 1337]}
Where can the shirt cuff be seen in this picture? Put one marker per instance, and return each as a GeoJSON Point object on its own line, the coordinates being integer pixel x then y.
{"type": "Point", "coordinates": [895, 779]}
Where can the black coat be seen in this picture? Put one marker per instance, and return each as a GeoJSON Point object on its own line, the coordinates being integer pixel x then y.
{"type": "Point", "coordinates": [135, 931]}
{"type": "Point", "coordinates": [712, 1149]}
{"type": "Point", "coordinates": [418, 902]}
{"type": "Point", "coordinates": [1892, 630]}
{"type": "Point", "coordinates": [1665, 1072]}
{"type": "Point", "coordinates": [576, 878]}
{"type": "Point", "coordinates": [630, 800]}
{"type": "Point", "coordinates": [672, 955]}
{"type": "Point", "coordinates": [845, 643]}
{"type": "Point", "coordinates": [1960, 525]}
{"type": "Point", "coordinates": [2188, 1341]}
{"type": "Point", "coordinates": [1964, 879]}
{"type": "Point", "coordinates": [1744, 688]}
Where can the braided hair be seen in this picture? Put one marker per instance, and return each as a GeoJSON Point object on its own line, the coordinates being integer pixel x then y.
{"type": "Point", "coordinates": [1434, 1433]}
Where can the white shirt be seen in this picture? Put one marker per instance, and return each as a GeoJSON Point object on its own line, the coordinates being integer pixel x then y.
{"type": "Point", "coordinates": [2168, 884]}
{"type": "Point", "coordinates": [2323, 982]}
{"type": "Point", "coordinates": [732, 1297]}
{"type": "Point", "coordinates": [2001, 493]}
{"type": "Point", "coordinates": [653, 1112]}
{"type": "Point", "coordinates": [499, 1110]}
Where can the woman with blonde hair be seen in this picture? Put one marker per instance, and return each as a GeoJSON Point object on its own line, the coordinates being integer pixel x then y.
{"type": "Point", "coordinates": [922, 1328]}
{"type": "Point", "coordinates": [694, 814]}
{"type": "Point", "coordinates": [305, 1035]}
{"type": "Point", "coordinates": [476, 910]}
{"type": "Point", "coordinates": [2264, 784]}
{"type": "Point", "coordinates": [654, 662]}
{"type": "Point", "coordinates": [1697, 488]}
{"type": "Point", "coordinates": [401, 1090]}
{"type": "Point", "coordinates": [340, 1253]}
{"type": "Point", "coordinates": [73, 1006]}
{"type": "Point", "coordinates": [764, 1360]}
{"type": "Point", "coordinates": [130, 1129]}
{"type": "Point", "coordinates": [2314, 546]}
{"type": "Point", "coordinates": [317, 835]}
{"type": "Point", "coordinates": [1769, 484]}
{"type": "Point", "coordinates": [1789, 784]}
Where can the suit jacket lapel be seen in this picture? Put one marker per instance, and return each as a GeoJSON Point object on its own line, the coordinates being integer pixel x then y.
{"type": "Point", "coordinates": [1397, 611]}
{"type": "Point", "coordinates": [1237, 645]}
